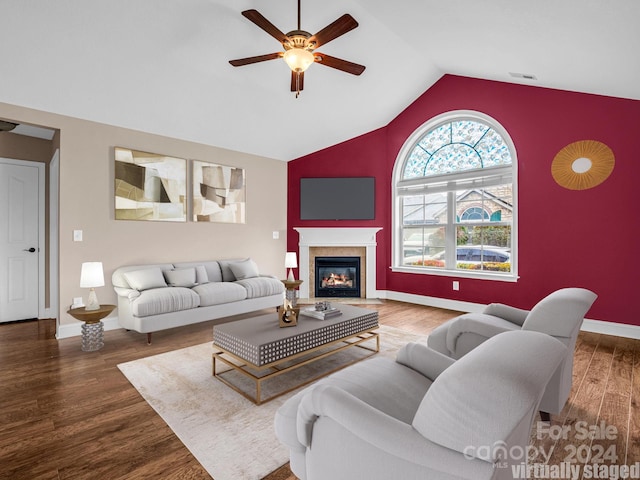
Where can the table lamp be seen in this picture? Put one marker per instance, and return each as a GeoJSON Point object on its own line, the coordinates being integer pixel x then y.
{"type": "Point", "coordinates": [92, 276]}
{"type": "Point", "coordinates": [291, 262]}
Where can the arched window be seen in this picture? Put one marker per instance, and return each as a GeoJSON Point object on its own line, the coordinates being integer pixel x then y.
{"type": "Point", "coordinates": [454, 199]}
{"type": "Point", "coordinates": [474, 214]}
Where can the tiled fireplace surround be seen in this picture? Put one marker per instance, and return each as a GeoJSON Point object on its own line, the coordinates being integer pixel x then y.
{"type": "Point", "coordinates": [341, 242]}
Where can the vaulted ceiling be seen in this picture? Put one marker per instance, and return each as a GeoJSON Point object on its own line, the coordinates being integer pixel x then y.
{"type": "Point", "coordinates": [161, 66]}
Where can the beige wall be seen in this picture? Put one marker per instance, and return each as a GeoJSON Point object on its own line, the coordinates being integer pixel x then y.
{"type": "Point", "coordinates": [87, 204]}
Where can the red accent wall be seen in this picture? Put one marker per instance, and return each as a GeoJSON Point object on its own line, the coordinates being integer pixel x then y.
{"type": "Point", "coordinates": [565, 238]}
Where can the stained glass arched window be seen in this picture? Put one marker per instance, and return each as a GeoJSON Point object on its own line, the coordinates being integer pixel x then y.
{"type": "Point", "coordinates": [454, 184]}
{"type": "Point", "coordinates": [455, 147]}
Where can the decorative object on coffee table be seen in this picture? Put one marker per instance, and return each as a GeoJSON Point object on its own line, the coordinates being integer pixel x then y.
{"type": "Point", "coordinates": [322, 311]}
{"type": "Point", "coordinates": [289, 315]}
{"type": "Point", "coordinates": [92, 276]}
{"type": "Point", "coordinates": [290, 303]}
{"type": "Point", "coordinates": [92, 330]}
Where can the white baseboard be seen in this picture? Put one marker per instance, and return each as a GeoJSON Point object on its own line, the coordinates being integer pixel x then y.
{"type": "Point", "coordinates": [594, 326]}
{"type": "Point", "coordinates": [611, 328]}
{"type": "Point", "coordinates": [432, 301]}
{"type": "Point", "coordinates": [75, 329]}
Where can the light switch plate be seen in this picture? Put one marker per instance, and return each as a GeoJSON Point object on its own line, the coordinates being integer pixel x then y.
{"type": "Point", "coordinates": [77, 235]}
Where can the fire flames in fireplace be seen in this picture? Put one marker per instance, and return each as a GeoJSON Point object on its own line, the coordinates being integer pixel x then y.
{"type": "Point", "coordinates": [337, 280]}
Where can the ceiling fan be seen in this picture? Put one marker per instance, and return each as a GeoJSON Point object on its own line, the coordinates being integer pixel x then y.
{"type": "Point", "coordinates": [300, 47]}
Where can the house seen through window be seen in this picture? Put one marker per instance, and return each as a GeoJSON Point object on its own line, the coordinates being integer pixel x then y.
{"type": "Point", "coordinates": [454, 194]}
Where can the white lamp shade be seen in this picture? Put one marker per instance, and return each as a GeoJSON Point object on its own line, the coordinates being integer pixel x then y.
{"type": "Point", "coordinates": [91, 275]}
{"type": "Point", "coordinates": [291, 260]}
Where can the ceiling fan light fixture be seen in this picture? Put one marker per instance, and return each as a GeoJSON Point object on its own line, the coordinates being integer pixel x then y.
{"type": "Point", "coordinates": [298, 59]}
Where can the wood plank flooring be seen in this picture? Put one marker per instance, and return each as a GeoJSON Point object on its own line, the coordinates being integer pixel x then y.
{"type": "Point", "coordinates": [68, 414]}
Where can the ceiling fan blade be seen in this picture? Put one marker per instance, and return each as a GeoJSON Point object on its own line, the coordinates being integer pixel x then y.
{"type": "Point", "coordinates": [338, 63]}
{"type": "Point", "coordinates": [297, 81]}
{"type": "Point", "coordinates": [332, 31]}
{"type": "Point", "coordinates": [260, 58]}
{"type": "Point", "coordinates": [257, 18]}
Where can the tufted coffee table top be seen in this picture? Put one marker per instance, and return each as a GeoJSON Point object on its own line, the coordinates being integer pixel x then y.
{"type": "Point", "coordinates": [260, 341]}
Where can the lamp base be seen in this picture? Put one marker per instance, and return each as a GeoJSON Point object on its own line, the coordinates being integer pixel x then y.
{"type": "Point", "coordinates": [291, 278]}
{"type": "Point", "coordinates": [92, 301]}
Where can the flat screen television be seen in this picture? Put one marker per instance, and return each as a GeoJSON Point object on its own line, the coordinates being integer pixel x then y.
{"type": "Point", "coordinates": [338, 198]}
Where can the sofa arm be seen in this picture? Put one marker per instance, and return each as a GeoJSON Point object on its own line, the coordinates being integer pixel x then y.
{"type": "Point", "coordinates": [512, 314]}
{"type": "Point", "coordinates": [383, 432]}
{"type": "Point", "coordinates": [127, 292]}
{"type": "Point", "coordinates": [423, 360]}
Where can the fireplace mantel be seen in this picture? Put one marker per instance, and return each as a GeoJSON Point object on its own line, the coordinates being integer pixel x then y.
{"type": "Point", "coordinates": [338, 237]}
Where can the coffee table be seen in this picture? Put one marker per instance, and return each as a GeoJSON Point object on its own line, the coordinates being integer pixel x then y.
{"type": "Point", "coordinates": [259, 349]}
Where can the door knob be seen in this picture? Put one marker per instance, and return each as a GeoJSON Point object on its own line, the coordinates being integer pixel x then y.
{"type": "Point", "coordinates": [29, 249]}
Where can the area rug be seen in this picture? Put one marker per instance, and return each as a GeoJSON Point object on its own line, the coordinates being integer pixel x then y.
{"type": "Point", "coordinates": [230, 436]}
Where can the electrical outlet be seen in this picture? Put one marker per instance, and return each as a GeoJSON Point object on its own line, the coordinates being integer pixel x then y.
{"type": "Point", "coordinates": [77, 235]}
{"type": "Point", "coordinates": [276, 235]}
{"type": "Point", "coordinates": [456, 285]}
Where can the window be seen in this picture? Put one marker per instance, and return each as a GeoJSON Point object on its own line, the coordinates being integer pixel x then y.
{"type": "Point", "coordinates": [454, 199]}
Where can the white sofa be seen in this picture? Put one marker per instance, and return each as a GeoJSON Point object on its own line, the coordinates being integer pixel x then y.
{"type": "Point", "coordinates": [161, 296]}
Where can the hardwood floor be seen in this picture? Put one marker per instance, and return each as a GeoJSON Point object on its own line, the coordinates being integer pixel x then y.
{"type": "Point", "coordinates": [68, 414]}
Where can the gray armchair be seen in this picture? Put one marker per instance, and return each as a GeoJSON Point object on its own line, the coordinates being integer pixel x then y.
{"type": "Point", "coordinates": [424, 416]}
{"type": "Point", "coordinates": [559, 314]}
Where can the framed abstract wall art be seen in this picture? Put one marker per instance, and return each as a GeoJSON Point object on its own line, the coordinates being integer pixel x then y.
{"type": "Point", "coordinates": [149, 186]}
{"type": "Point", "coordinates": [219, 193]}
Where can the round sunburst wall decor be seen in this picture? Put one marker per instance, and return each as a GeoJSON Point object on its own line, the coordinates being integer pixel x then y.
{"type": "Point", "coordinates": [582, 165]}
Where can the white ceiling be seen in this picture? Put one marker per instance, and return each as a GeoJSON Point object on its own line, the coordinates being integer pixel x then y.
{"type": "Point", "coordinates": [161, 66]}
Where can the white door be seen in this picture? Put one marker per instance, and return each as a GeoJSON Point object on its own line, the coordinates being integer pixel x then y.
{"type": "Point", "coordinates": [19, 235]}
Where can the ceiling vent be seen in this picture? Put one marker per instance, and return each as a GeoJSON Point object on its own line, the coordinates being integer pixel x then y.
{"type": "Point", "coordinates": [526, 76]}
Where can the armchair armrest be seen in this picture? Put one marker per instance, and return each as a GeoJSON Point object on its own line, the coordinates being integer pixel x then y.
{"type": "Point", "coordinates": [384, 433]}
{"type": "Point", "coordinates": [512, 314]}
{"type": "Point", "coordinates": [423, 360]}
{"type": "Point", "coordinates": [481, 324]}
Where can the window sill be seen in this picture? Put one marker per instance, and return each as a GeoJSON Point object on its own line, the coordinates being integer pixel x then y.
{"type": "Point", "coordinates": [498, 277]}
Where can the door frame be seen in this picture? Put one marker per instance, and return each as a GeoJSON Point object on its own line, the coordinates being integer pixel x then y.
{"type": "Point", "coordinates": [41, 223]}
{"type": "Point", "coordinates": [54, 266]}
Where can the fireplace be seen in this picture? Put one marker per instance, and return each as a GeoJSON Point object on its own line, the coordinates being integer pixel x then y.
{"type": "Point", "coordinates": [337, 276]}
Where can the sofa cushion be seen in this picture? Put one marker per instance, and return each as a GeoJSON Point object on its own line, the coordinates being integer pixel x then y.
{"type": "Point", "coordinates": [261, 286]}
{"type": "Point", "coordinates": [225, 268]}
{"type": "Point", "coordinates": [201, 274]}
{"type": "Point", "coordinates": [215, 293]}
{"type": "Point", "coordinates": [244, 269]}
{"type": "Point", "coordinates": [145, 278]}
{"type": "Point", "coordinates": [118, 279]}
{"type": "Point", "coordinates": [164, 300]}
{"type": "Point", "coordinates": [181, 277]}
{"type": "Point", "coordinates": [212, 268]}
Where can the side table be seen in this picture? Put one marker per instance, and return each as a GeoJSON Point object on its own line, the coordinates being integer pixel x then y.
{"type": "Point", "coordinates": [93, 328]}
